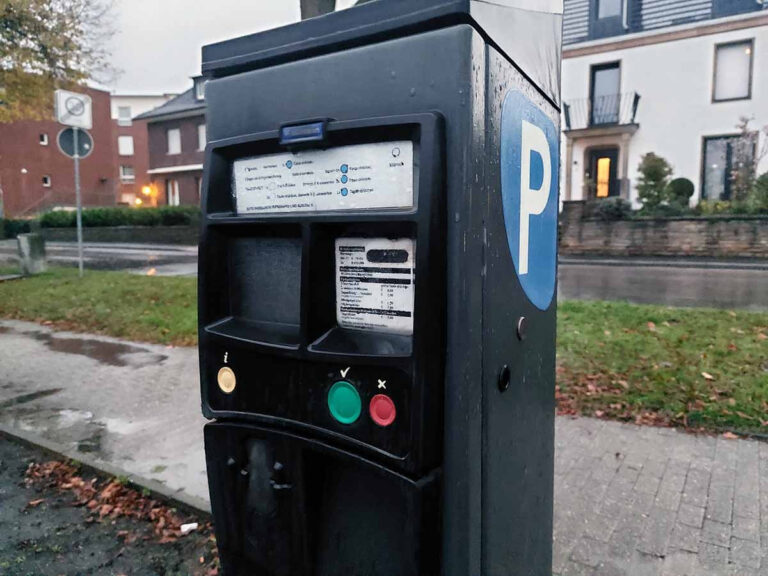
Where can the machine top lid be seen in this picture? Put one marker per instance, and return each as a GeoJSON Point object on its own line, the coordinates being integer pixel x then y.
{"type": "Point", "coordinates": [519, 28]}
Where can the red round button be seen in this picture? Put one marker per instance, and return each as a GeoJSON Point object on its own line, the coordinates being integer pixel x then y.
{"type": "Point", "coordinates": [382, 410]}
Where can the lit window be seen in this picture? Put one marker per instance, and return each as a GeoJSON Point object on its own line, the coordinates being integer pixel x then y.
{"type": "Point", "coordinates": [127, 174]}
{"type": "Point", "coordinates": [43, 139]}
{"type": "Point", "coordinates": [124, 115]}
{"type": "Point", "coordinates": [174, 141]}
{"type": "Point", "coordinates": [47, 181]}
{"type": "Point", "coordinates": [608, 8]}
{"type": "Point", "coordinates": [125, 145]}
{"type": "Point", "coordinates": [733, 71]}
{"type": "Point", "coordinates": [201, 137]}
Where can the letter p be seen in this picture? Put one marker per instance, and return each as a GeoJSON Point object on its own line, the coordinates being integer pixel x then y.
{"type": "Point", "coordinates": [532, 201]}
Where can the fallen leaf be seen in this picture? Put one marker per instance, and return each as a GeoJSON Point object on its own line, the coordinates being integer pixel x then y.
{"type": "Point", "coordinates": [707, 376]}
{"type": "Point", "coordinates": [35, 503]}
{"type": "Point", "coordinates": [623, 383]}
{"type": "Point", "coordinates": [599, 413]}
{"type": "Point", "coordinates": [151, 271]}
{"type": "Point", "coordinates": [730, 436]}
{"type": "Point", "coordinates": [651, 326]}
{"type": "Point", "coordinates": [761, 336]}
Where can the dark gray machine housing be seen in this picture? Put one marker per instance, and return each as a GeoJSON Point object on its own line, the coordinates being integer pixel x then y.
{"type": "Point", "coordinates": [467, 489]}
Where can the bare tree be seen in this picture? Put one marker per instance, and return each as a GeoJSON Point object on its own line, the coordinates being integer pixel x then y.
{"type": "Point", "coordinates": [46, 44]}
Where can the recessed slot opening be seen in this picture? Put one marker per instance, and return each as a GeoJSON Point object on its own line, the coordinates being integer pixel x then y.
{"type": "Point", "coordinates": [264, 286]}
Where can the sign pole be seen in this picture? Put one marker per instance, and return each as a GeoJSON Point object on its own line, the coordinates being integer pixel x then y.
{"type": "Point", "coordinates": [79, 203]}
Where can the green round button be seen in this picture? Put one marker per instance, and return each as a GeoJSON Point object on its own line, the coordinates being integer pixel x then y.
{"type": "Point", "coordinates": [344, 402]}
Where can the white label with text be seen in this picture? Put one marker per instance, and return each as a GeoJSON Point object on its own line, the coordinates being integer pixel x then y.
{"type": "Point", "coordinates": [375, 284]}
{"type": "Point", "coordinates": [357, 177]}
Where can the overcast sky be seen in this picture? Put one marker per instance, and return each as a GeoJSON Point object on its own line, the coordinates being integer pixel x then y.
{"type": "Point", "coordinates": [158, 44]}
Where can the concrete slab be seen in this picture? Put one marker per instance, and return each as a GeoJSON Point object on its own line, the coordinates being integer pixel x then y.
{"type": "Point", "coordinates": [135, 407]}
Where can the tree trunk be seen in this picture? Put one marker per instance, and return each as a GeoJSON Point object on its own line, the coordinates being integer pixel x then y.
{"type": "Point", "coordinates": [312, 8]}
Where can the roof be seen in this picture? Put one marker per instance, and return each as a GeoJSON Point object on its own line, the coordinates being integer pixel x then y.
{"type": "Point", "coordinates": [181, 104]}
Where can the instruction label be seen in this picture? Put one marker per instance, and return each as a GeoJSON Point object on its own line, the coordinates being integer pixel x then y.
{"type": "Point", "coordinates": [375, 284]}
{"type": "Point", "coordinates": [362, 176]}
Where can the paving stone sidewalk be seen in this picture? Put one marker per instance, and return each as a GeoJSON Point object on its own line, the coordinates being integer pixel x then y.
{"type": "Point", "coordinates": [640, 501]}
{"type": "Point", "coordinates": [629, 500]}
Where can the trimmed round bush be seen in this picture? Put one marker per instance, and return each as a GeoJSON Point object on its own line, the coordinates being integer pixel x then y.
{"type": "Point", "coordinates": [680, 191]}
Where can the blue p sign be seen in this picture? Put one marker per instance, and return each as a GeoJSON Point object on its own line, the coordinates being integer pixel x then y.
{"type": "Point", "coordinates": [530, 153]}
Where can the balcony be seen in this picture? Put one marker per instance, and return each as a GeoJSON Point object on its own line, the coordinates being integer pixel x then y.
{"type": "Point", "coordinates": [611, 111]}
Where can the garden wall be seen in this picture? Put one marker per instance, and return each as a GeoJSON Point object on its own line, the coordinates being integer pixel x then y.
{"type": "Point", "coordinates": [185, 235]}
{"type": "Point", "coordinates": [719, 236]}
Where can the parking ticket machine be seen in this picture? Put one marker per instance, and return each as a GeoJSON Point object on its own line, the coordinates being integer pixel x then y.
{"type": "Point", "coordinates": [376, 290]}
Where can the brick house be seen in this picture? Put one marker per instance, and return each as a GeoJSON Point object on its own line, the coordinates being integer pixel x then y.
{"type": "Point", "coordinates": [35, 176]}
{"type": "Point", "coordinates": [132, 143]}
{"type": "Point", "coordinates": [177, 138]}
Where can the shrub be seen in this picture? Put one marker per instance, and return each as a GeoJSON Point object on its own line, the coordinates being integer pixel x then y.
{"type": "Point", "coordinates": [12, 228]}
{"type": "Point", "coordinates": [612, 209]}
{"type": "Point", "coordinates": [666, 211]}
{"type": "Point", "coordinates": [58, 219]}
{"type": "Point", "coordinates": [679, 192]}
{"type": "Point", "coordinates": [120, 216]}
{"type": "Point", "coordinates": [654, 177]}
{"type": "Point", "coordinates": [758, 197]}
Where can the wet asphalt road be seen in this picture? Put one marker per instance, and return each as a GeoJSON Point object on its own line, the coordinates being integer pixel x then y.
{"type": "Point", "coordinates": [674, 283]}
{"type": "Point", "coordinates": [678, 282]}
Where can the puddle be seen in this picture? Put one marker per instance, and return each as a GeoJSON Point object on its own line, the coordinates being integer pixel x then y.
{"type": "Point", "coordinates": [75, 428]}
{"type": "Point", "coordinates": [110, 353]}
{"type": "Point", "coordinates": [16, 400]}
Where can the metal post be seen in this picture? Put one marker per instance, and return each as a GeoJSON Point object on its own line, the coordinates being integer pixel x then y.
{"type": "Point", "coordinates": [79, 203]}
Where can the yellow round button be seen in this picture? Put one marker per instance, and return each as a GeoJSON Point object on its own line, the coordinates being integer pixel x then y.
{"type": "Point", "coordinates": [227, 380]}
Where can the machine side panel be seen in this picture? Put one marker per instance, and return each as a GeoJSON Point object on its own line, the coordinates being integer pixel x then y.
{"type": "Point", "coordinates": [519, 312]}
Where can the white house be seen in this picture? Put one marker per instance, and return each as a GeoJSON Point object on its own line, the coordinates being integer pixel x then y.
{"type": "Point", "coordinates": [671, 77]}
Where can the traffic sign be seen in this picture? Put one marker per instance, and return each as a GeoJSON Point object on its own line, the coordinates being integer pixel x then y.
{"type": "Point", "coordinates": [530, 154]}
{"type": "Point", "coordinates": [74, 109]}
{"type": "Point", "coordinates": [66, 141]}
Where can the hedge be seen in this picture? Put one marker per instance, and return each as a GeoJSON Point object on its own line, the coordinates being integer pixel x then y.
{"type": "Point", "coordinates": [103, 217]}
{"type": "Point", "coordinates": [12, 228]}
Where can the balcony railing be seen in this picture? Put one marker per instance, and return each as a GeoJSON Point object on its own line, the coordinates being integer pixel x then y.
{"type": "Point", "coordinates": [611, 110]}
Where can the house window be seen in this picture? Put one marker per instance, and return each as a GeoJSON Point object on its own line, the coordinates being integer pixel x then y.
{"type": "Point", "coordinates": [124, 116]}
{"type": "Point", "coordinates": [46, 181]}
{"type": "Point", "coordinates": [127, 174]}
{"type": "Point", "coordinates": [174, 141]}
{"type": "Point", "coordinates": [724, 156]}
{"type": "Point", "coordinates": [609, 8]}
{"type": "Point", "coordinates": [605, 96]}
{"type": "Point", "coordinates": [125, 145]}
{"type": "Point", "coordinates": [199, 187]}
{"type": "Point", "coordinates": [201, 137]}
{"type": "Point", "coordinates": [172, 192]}
{"type": "Point", "coordinates": [733, 71]}
{"type": "Point", "coordinates": [43, 139]}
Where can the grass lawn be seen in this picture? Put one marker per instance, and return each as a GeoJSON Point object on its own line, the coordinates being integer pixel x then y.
{"type": "Point", "coordinates": [149, 309]}
{"type": "Point", "coordinates": [692, 367]}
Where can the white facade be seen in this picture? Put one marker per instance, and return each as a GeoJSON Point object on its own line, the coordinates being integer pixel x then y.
{"type": "Point", "coordinates": [674, 78]}
{"type": "Point", "coordinates": [137, 104]}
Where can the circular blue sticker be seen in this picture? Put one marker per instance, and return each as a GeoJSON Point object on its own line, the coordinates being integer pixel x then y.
{"type": "Point", "coordinates": [530, 156]}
